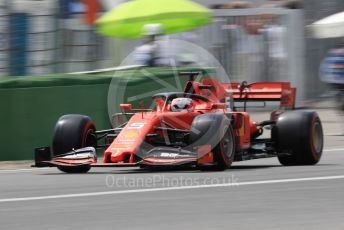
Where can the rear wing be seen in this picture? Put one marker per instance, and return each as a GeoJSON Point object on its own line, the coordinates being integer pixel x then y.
{"type": "Point", "coordinates": [263, 91]}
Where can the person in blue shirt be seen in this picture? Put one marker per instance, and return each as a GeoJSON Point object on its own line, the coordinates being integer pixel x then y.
{"type": "Point", "coordinates": [332, 73]}
{"type": "Point", "coordinates": [332, 67]}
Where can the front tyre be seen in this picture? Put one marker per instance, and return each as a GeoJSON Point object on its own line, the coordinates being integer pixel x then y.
{"type": "Point", "coordinates": [299, 138]}
{"type": "Point", "coordinates": [214, 129]}
{"type": "Point", "coordinates": [73, 131]}
{"type": "Point", "coordinates": [225, 149]}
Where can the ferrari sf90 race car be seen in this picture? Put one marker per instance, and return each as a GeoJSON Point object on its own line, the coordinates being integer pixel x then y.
{"type": "Point", "coordinates": [205, 127]}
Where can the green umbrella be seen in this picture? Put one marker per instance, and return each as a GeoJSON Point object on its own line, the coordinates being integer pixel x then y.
{"type": "Point", "coordinates": [128, 19]}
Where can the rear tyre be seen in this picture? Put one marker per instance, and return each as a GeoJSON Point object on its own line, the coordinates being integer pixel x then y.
{"type": "Point", "coordinates": [299, 138]}
{"type": "Point", "coordinates": [215, 130]}
{"type": "Point", "coordinates": [73, 131]}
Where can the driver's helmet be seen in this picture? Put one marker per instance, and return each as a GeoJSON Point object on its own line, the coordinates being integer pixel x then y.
{"type": "Point", "coordinates": [181, 104]}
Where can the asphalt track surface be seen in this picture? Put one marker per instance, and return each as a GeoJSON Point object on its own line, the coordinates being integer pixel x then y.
{"type": "Point", "coordinates": [257, 194]}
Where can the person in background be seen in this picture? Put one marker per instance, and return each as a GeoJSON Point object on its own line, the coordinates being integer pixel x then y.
{"type": "Point", "coordinates": [148, 53]}
{"type": "Point", "coordinates": [332, 73]}
{"type": "Point", "coordinates": [252, 46]}
{"type": "Point", "coordinates": [275, 40]}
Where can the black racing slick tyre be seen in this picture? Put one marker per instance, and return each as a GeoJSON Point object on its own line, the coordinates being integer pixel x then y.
{"type": "Point", "coordinates": [73, 131]}
{"type": "Point", "coordinates": [298, 137]}
{"type": "Point", "coordinates": [216, 130]}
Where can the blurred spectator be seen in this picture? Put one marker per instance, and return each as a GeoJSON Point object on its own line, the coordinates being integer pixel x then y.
{"type": "Point", "coordinates": [332, 67]}
{"type": "Point", "coordinates": [275, 43]}
{"type": "Point", "coordinates": [275, 35]}
{"type": "Point", "coordinates": [247, 45]}
{"type": "Point", "coordinates": [252, 49]}
{"type": "Point", "coordinates": [159, 52]}
{"type": "Point", "coordinates": [148, 53]}
{"type": "Point", "coordinates": [332, 73]}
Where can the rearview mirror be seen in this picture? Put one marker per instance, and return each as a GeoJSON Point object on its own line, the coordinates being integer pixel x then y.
{"type": "Point", "coordinates": [126, 106]}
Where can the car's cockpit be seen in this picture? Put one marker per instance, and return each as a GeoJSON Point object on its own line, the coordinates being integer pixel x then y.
{"type": "Point", "coordinates": [178, 101]}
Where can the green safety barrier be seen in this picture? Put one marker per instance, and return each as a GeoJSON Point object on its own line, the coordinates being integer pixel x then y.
{"type": "Point", "coordinates": [30, 106]}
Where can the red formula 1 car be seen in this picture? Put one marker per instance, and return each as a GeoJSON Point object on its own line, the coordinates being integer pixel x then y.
{"type": "Point", "coordinates": [201, 127]}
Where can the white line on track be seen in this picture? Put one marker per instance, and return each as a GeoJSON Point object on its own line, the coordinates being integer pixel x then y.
{"type": "Point", "coordinates": [334, 134]}
{"type": "Point", "coordinates": [334, 150]}
{"type": "Point", "coordinates": [76, 195]}
{"type": "Point", "coordinates": [23, 170]}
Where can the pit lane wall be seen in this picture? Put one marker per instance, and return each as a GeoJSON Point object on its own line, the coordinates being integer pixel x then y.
{"type": "Point", "coordinates": [30, 106]}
